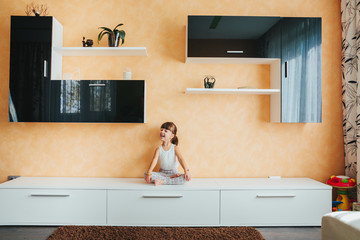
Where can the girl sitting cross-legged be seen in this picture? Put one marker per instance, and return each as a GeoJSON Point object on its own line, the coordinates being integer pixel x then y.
{"type": "Point", "coordinates": [168, 155]}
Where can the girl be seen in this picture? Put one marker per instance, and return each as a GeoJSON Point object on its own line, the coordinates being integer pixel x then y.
{"type": "Point", "coordinates": [169, 156]}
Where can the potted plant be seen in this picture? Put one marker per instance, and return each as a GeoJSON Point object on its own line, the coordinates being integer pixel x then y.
{"type": "Point", "coordinates": [114, 35]}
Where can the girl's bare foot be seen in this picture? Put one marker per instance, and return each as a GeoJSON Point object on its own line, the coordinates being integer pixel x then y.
{"type": "Point", "coordinates": [158, 182]}
{"type": "Point", "coordinates": [175, 176]}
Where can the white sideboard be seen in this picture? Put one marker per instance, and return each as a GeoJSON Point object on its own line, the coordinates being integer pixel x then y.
{"type": "Point", "coordinates": [132, 202]}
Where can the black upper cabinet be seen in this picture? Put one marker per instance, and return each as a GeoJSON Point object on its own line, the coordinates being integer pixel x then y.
{"type": "Point", "coordinates": [228, 36]}
{"type": "Point", "coordinates": [30, 58]}
{"type": "Point", "coordinates": [115, 101]}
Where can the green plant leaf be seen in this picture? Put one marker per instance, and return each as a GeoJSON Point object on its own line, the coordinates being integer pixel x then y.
{"type": "Point", "coordinates": [107, 29]}
{"type": "Point", "coordinates": [118, 26]}
{"type": "Point", "coordinates": [121, 34]}
{"type": "Point", "coordinates": [102, 33]}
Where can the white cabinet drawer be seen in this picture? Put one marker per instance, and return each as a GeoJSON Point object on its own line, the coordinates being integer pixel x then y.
{"type": "Point", "coordinates": [274, 208]}
{"type": "Point", "coordinates": [171, 208]}
{"type": "Point", "coordinates": [52, 207]}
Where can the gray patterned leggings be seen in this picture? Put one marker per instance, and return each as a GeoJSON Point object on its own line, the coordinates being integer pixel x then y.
{"type": "Point", "coordinates": [165, 175]}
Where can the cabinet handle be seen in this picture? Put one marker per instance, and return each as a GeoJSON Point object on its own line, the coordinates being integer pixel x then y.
{"type": "Point", "coordinates": [162, 196]}
{"type": "Point", "coordinates": [276, 195]}
{"type": "Point", "coordinates": [45, 68]}
{"type": "Point", "coordinates": [234, 52]}
{"type": "Point", "coordinates": [286, 69]}
{"type": "Point", "coordinates": [97, 84]}
{"type": "Point", "coordinates": [49, 195]}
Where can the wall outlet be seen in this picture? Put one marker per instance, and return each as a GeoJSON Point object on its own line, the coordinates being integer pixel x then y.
{"type": "Point", "coordinates": [12, 177]}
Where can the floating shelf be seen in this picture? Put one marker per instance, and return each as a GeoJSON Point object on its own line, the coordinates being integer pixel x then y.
{"type": "Point", "coordinates": [101, 51]}
{"type": "Point", "coordinates": [219, 60]}
{"type": "Point", "coordinates": [231, 91]}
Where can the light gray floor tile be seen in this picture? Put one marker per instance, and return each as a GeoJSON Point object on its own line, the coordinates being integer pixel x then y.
{"type": "Point", "coordinates": [269, 233]}
{"type": "Point", "coordinates": [290, 233]}
{"type": "Point", "coordinates": [25, 233]}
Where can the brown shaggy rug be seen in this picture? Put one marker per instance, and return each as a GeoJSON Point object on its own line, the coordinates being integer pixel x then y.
{"type": "Point", "coordinates": [147, 233]}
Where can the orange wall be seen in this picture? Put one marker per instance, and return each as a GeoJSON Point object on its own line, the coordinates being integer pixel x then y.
{"type": "Point", "coordinates": [220, 135]}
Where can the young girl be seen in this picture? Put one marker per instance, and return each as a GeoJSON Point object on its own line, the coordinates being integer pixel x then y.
{"type": "Point", "coordinates": [169, 156]}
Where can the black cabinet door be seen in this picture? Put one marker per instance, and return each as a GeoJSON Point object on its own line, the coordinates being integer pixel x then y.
{"type": "Point", "coordinates": [115, 101]}
{"type": "Point", "coordinates": [30, 61]}
{"type": "Point", "coordinates": [228, 36]}
{"type": "Point", "coordinates": [301, 70]}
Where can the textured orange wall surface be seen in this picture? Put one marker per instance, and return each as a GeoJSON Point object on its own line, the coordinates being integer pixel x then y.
{"type": "Point", "coordinates": [220, 135]}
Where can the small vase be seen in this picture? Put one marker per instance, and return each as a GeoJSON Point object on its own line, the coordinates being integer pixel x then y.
{"type": "Point", "coordinates": [209, 81]}
{"type": "Point", "coordinates": [114, 39]}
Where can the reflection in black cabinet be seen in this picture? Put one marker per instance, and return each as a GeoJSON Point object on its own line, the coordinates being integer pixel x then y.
{"type": "Point", "coordinates": [301, 75]}
{"type": "Point", "coordinates": [30, 58]}
{"type": "Point", "coordinates": [297, 41]}
{"type": "Point", "coordinates": [98, 101]}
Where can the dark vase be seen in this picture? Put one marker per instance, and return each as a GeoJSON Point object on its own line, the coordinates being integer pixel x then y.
{"type": "Point", "coordinates": [209, 82]}
{"type": "Point", "coordinates": [114, 39]}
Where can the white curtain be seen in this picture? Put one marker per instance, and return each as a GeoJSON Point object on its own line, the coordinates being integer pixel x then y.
{"type": "Point", "coordinates": [350, 24]}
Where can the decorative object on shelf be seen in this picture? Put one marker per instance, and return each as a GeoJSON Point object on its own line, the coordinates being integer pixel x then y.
{"type": "Point", "coordinates": [127, 74]}
{"type": "Point", "coordinates": [114, 35]}
{"type": "Point", "coordinates": [88, 43]}
{"type": "Point", "coordinates": [209, 81]}
{"type": "Point", "coordinates": [36, 9]}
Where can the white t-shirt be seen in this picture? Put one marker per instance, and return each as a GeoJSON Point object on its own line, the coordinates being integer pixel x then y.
{"type": "Point", "coordinates": [168, 159]}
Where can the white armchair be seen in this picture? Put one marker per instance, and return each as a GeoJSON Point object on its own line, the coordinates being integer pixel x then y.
{"type": "Point", "coordinates": [341, 226]}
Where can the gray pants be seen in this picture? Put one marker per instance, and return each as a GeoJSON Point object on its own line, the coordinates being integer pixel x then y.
{"type": "Point", "coordinates": [165, 175]}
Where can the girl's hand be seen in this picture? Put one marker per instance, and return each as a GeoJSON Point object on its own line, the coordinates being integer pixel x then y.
{"type": "Point", "coordinates": [148, 178]}
{"type": "Point", "coordinates": [187, 175]}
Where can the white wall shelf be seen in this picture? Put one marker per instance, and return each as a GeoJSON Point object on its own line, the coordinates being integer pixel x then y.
{"type": "Point", "coordinates": [101, 51]}
{"type": "Point", "coordinates": [219, 60]}
{"type": "Point", "coordinates": [232, 91]}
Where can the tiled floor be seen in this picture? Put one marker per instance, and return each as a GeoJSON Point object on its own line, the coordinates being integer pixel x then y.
{"type": "Point", "coordinates": [25, 233]}
{"type": "Point", "coordinates": [270, 233]}
{"type": "Point", "coordinates": [290, 233]}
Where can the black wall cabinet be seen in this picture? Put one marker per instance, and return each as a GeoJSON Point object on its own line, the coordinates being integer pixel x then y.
{"type": "Point", "coordinates": [30, 61]}
{"type": "Point", "coordinates": [228, 36]}
{"type": "Point", "coordinates": [115, 101]}
{"type": "Point", "coordinates": [36, 97]}
{"type": "Point", "coordinates": [295, 41]}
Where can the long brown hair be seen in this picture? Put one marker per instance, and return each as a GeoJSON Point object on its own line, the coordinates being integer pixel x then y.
{"type": "Point", "coordinates": [171, 127]}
